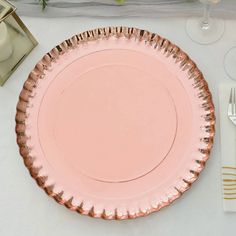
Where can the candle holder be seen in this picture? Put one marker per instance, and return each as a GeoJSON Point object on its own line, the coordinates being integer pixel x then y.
{"type": "Point", "coordinates": [16, 41]}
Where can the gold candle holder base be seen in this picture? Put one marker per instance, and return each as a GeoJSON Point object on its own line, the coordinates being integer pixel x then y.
{"type": "Point", "coordinates": [16, 41]}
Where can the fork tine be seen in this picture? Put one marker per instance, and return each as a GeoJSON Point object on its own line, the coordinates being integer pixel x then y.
{"type": "Point", "coordinates": [230, 107]}
{"type": "Point", "coordinates": [231, 96]}
{"type": "Point", "coordinates": [234, 102]}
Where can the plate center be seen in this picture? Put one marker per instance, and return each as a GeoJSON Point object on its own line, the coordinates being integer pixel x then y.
{"type": "Point", "coordinates": [114, 123]}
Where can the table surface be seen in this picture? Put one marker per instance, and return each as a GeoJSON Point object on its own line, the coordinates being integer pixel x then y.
{"type": "Point", "coordinates": [26, 210]}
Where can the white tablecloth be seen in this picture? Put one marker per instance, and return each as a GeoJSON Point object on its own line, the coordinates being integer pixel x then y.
{"type": "Point", "coordinates": [25, 210]}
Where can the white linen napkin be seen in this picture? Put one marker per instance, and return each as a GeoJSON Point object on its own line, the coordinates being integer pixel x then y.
{"type": "Point", "coordinates": [228, 150]}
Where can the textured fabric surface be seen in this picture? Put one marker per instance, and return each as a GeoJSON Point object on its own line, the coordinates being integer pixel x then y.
{"type": "Point", "coordinates": [131, 8]}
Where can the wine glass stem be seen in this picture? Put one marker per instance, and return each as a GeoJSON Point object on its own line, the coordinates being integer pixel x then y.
{"type": "Point", "coordinates": [205, 24]}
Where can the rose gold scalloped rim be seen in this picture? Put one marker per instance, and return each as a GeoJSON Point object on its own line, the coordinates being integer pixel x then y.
{"type": "Point", "coordinates": [159, 43]}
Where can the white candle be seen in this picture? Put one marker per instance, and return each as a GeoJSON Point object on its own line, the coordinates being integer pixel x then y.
{"type": "Point", "coordinates": [5, 43]}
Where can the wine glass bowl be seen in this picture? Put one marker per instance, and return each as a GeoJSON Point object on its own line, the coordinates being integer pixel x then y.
{"type": "Point", "coordinates": [230, 63]}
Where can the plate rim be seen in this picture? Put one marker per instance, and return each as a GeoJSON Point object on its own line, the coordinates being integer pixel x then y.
{"type": "Point", "coordinates": [159, 43]}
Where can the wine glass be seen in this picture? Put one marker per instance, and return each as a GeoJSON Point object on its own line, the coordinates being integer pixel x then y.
{"type": "Point", "coordinates": [230, 63]}
{"type": "Point", "coordinates": [205, 30]}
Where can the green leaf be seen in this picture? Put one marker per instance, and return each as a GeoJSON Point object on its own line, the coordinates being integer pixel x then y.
{"type": "Point", "coordinates": [120, 1]}
{"type": "Point", "coordinates": [43, 3]}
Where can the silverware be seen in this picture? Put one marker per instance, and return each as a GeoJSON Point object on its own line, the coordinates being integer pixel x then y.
{"type": "Point", "coordinates": [229, 172]}
{"type": "Point", "coordinates": [232, 106]}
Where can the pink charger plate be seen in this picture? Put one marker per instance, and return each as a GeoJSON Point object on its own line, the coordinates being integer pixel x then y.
{"type": "Point", "coordinates": [115, 122]}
